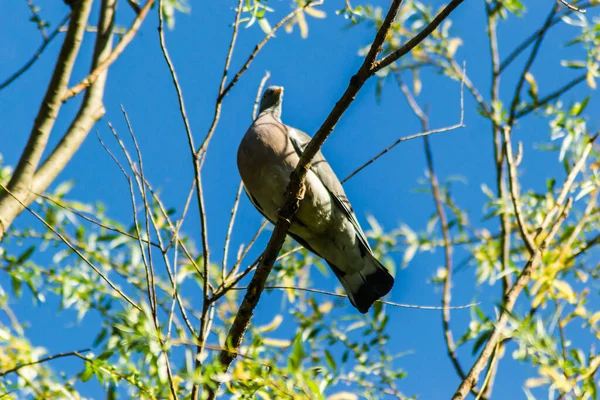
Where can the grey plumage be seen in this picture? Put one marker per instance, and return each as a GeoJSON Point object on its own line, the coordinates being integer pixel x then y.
{"type": "Point", "coordinates": [325, 223]}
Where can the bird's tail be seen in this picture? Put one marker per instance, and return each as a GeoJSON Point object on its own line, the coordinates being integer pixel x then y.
{"type": "Point", "coordinates": [366, 286]}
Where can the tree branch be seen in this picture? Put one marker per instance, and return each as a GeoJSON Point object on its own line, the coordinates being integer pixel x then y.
{"type": "Point", "coordinates": [91, 109]}
{"type": "Point", "coordinates": [414, 42]}
{"type": "Point", "coordinates": [21, 182]}
{"type": "Point", "coordinates": [513, 293]}
{"type": "Point", "coordinates": [295, 189]}
{"type": "Point", "coordinates": [343, 296]}
{"type": "Point", "coordinates": [116, 52]}
{"type": "Point", "coordinates": [508, 305]}
{"type": "Point", "coordinates": [532, 56]}
{"type": "Point", "coordinates": [36, 55]}
{"type": "Point", "coordinates": [545, 100]}
{"type": "Point", "coordinates": [74, 249]}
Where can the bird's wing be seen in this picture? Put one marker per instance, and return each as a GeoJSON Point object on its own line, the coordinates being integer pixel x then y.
{"type": "Point", "coordinates": [294, 236]}
{"type": "Point", "coordinates": [321, 168]}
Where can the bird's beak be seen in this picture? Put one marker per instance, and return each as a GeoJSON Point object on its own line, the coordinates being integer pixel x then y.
{"type": "Point", "coordinates": [279, 90]}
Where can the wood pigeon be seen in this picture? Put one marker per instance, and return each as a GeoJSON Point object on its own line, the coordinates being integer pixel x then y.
{"type": "Point", "coordinates": [325, 223]}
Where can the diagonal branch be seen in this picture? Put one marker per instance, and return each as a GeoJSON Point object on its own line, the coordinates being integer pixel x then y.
{"type": "Point", "coordinates": [36, 55]}
{"type": "Point", "coordinates": [43, 360]}
{"type": "Point", "coordinates": [528, 64]}
{"type": "Point", "coordinates": [21, 181]}
{"type": "Point", "coordinates": [508, 305]}
{"type": "Point", "coordinates": [91, 109]}
{"type": "Point", "coordinates": [520, 48]}
{"type": "Point", "coordinates": [343, 296]}
{"type": "Point", "coordinates": [414, 42]}
{"type": "Point", "coordinates": [295, 189]}
{"type": "Point", "coordinates": [554, 95]}
{"type": "Point", "coordinates": [119, 48]}
{"type": "Point", "coordinates": [534, 261]}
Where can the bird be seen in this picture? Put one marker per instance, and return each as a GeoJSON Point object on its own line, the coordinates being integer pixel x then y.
{"type": "Point", "coordinates": [325, 223]}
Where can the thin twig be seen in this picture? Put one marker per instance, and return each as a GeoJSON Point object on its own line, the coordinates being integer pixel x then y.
{"type": "Point", "coordinates": [135, 6]}
{"type": "Point", "coordinates": [402, 139]}
{"type": "Point", "coordinates": [36, 18]}
{"type": "Point", "coordinates": [43, 360]}
{"type": "Point", "coordinates": [142, 190]}
{"type": "Point", "coordinates": [425, 133]}
{"type": "Point", "coordinates": [514, 193]}
{"type": "Point", "coordinates": [172, 275]}
{"type": "Point", "coordinates": [415, 41]}
{"type": "Point", "coordinates": [183, 215]}
{"type": "Point", "coordinates": [532, 57]}
{"type": "Point", "coordinates": [572, 7]}
{"type": "Point", "coordinates": [545, 100]}
{"type": "Point", "coordinates": [115, 53]}
{"type": "Point", "coordinates": [149, 281]}
{"type": "Point", "coordinates": [263, 82]}
{"type": "Point", "coordinates": [241, 257]}
{"type": "Point", "coordinates": [94, 221]}
{"type": "Point", "coordinates": [520, 48]}
{"type": "Point", "coordinates": [73, 248]}
{"type": "Point", "coordinates": [446, 297]}
{"type": "Point", "coordinates": [36, 55]}
{"type": "Point", "coordinates": [343, 296]}
{"type": "Point", "coordinates": [567, 185]}
{"type": "Point", "coordinates": [230, 229]}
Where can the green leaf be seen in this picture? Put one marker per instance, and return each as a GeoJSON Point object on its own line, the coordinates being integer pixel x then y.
{"type": "Point", "coordinates": [573, 64]}
{"type": "Point", "coordinates": [330, 361]}
{"type": "Point", "coordinates": [25, 256]}
{"type": "Point", "coordinates": [481, 340]}
{"type": "Point", "coordinates": [87, 373]}
{"type": "Point", "coordinates": [101, 336]}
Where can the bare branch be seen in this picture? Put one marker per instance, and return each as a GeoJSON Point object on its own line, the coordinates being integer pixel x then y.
{"type": "Point", "coordinates": [532, 56]}
{"type": "Point", "coordinates": [343, 296]}
{"type": "Point", "coordinates": [554, 95]}
{"type": "Point", "coordinates": [415, 136]}
{"type": "Point", "coordinates": [572, 7]}
{"type": "Point", "coordinates": [230, 229]}
{"type": "Point", "coordinates": [91, 109]}
{"type": "Point", "coordinates": [36, 17]}
{"type": "Point", "coordinates": [151, 293]}
{"type": "Point", "coordinates": [417, 110]}
{"type": "Point", "coordinates": [294, 191]}
{"type": "Point", "coordinates": [520, 48]}
{"type": "Point", "coordinates": [36, 55]}
{"type": "Point", "coordinates": [43, 360]}
{"type": "Point", "coordinates": [21, 182]}
{"type": "Point", "coordinates": [514, 193]}
{"type": "Point", "coordinates": [414, 42]}
{"type": "Point", "coordinates": [116, 52]}
{"type": "Point", "coordinates": [95, 221]}
{"type": "Point", "coordinates": [134, 6]}
{"type": "Point", "coordinates": [258, 93]}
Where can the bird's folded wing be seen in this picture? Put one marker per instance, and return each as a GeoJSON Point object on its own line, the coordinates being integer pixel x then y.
{"type": "Point", "coordinates": [321, 168]}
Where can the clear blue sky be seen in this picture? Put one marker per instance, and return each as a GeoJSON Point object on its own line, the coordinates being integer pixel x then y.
{"type": "Point", "coordinates": [314, 72]}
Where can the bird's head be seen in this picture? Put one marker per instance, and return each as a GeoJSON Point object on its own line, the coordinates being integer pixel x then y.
{"type": "Point", "coordinates": [271, 101]}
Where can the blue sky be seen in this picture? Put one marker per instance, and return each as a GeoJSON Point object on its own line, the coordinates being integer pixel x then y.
{"type": "Point", "coordinates": [315, 72]}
